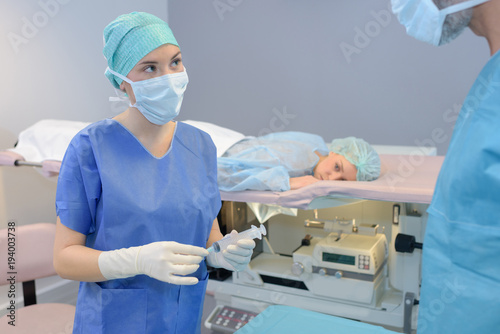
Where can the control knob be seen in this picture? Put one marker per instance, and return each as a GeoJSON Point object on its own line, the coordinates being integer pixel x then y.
{"type": "Point", "coordinates": [297, 268]}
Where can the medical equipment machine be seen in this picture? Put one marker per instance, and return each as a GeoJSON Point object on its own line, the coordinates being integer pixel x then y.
{"type": "Point", "coordinates": [343, 265]}
{"type": "Point", "coordinates": [252, 233]}
{"type": "Point", "coordinates": [224, 319]}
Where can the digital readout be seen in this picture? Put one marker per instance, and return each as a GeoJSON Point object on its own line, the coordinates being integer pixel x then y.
{"type": "Point", "coordinates": [339, 258]}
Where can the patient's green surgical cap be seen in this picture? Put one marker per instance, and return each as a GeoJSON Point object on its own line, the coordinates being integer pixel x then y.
{"type": "Point", "coordinates": [360, 154]}
{"type": "Point", "coordinates": [129, 38]}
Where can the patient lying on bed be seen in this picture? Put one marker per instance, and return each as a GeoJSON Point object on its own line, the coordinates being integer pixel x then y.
{"type": "Point", "coordinates": [291, 160]}
{"type": "Point", "coordinates": [278, 161]}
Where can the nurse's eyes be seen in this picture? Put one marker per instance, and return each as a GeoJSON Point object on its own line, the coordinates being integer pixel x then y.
{"type": "Point", "coordinates": [154, 68]}
{"type": "Point", "coordinates": [175, 62]}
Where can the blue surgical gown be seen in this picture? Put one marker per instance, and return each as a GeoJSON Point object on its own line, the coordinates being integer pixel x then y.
{"type": "Point", "coordinates": [461, 255]}
{"type": "Point", "coordinates": [115, 192]}
{"type": "Point", "coordinates": [268, 162]}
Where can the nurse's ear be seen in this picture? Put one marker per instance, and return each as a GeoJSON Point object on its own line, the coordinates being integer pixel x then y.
{"type": "Point", "coordinates": [127, 89]}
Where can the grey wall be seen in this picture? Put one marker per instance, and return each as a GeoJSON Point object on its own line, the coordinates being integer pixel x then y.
{"type": "Point", "coordinates": [254, 66]}
{"type": "Point", "coordinates": [264, 65]}
{"type": "Point", "coordinates": [51, 60]}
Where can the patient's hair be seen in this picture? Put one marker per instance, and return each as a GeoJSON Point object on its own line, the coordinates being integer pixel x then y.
{"type": "Point", "coordinates": [360, 154]}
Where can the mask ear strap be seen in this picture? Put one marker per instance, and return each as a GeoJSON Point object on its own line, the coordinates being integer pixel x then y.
{"type": "Point", "coordinates": [118, 75]}
{"type": "Point", "coordinates": [120, 97]}
{"type": "Point", "coordinates": [461, 6]}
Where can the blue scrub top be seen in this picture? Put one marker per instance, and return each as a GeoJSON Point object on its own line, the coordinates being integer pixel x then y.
{"type": "Point", "coordinates": [461, 267]}
{"type": "Point", "coordinates": [115, 192]}
{"type": "Point", "coordinates": [268, 162]}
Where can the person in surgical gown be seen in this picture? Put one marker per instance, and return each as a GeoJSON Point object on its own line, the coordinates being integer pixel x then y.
{"type": "Point", "coordinates": [460, 267]}
{"type": "Point", "coordinates": [290, 160]}
{"type": "Point", "coordinates": [137, 197]}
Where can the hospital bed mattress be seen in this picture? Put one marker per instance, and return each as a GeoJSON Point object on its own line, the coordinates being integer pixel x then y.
{"type": "Point", "coordinates": [403, 178]}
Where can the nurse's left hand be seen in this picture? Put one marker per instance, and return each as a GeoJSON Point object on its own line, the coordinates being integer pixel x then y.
{"type": "Point", "coordinates": [239, 255]}
{"type": "Point", "coordinates": [235, 257]}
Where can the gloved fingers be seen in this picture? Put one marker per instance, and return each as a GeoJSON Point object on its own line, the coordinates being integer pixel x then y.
{"type": "Point", "coordinates": [178, 248]}
{"type": "Point", "coordinates": [180, 280]}
{"type": "Point", "coordinates": [237, 258]}
{"type": "Point", "coordinates": [182, 269]}
{"type": "Point", "coordinates": [236, 266]}
{"type": "Point", "coordinates": [183, 259]}
{"type": "Point", "coordinates": [237, 250]}
{"type": "Point", "coordinates": [246, 243]}
{"type": "Point", "coordinates": [237, 262]}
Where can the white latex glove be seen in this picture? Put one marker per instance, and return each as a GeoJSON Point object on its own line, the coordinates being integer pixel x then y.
{"type": "Point", "coordinates": [163, 260]}
{"type": "Point", "coordinates": [234, 257]}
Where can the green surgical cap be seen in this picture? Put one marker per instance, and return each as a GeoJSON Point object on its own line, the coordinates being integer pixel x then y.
{"type": "Point", "coordinates": [360, 154]}
{"type": "Point", "coordinates": [131, 37]}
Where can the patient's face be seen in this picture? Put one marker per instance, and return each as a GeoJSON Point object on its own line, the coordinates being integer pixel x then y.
{"type": "Point", "coordinates": [335, 167]}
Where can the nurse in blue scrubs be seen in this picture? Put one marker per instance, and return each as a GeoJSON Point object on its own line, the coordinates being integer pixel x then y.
{"type": "Point", "coordinates": [461, 267]}
{"type": "Point", "coordinates": [137, 197]}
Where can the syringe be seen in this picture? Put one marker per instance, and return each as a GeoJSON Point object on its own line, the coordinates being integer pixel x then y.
{"type": "Point", "coordinates": [252, 233]}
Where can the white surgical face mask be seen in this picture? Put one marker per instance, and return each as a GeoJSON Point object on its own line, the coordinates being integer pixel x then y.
{"type": "Point", "coordinates": [158, 99]}
{"type": "Point", "coordinates": [424, 20]}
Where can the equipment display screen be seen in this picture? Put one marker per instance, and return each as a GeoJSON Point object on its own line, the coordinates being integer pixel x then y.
{"type": "Point", "coordinates": [339, 258]}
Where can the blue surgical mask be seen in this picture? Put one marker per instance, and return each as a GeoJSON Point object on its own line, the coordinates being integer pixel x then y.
{"type": "Point", "coordinates": [158, 99]}
{"type": "Point", "coordinates": [424, 20]}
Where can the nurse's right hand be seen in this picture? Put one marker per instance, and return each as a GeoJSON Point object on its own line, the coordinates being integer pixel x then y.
{"type": "Point", "coordinates": [167, 261]}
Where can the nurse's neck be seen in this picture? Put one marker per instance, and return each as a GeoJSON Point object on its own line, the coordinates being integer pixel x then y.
{"type": "Point", "coordinates": [155, 138]}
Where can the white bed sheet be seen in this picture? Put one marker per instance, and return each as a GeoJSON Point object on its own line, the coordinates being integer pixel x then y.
{"type": "Point", "coordinates": [48, 139]}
